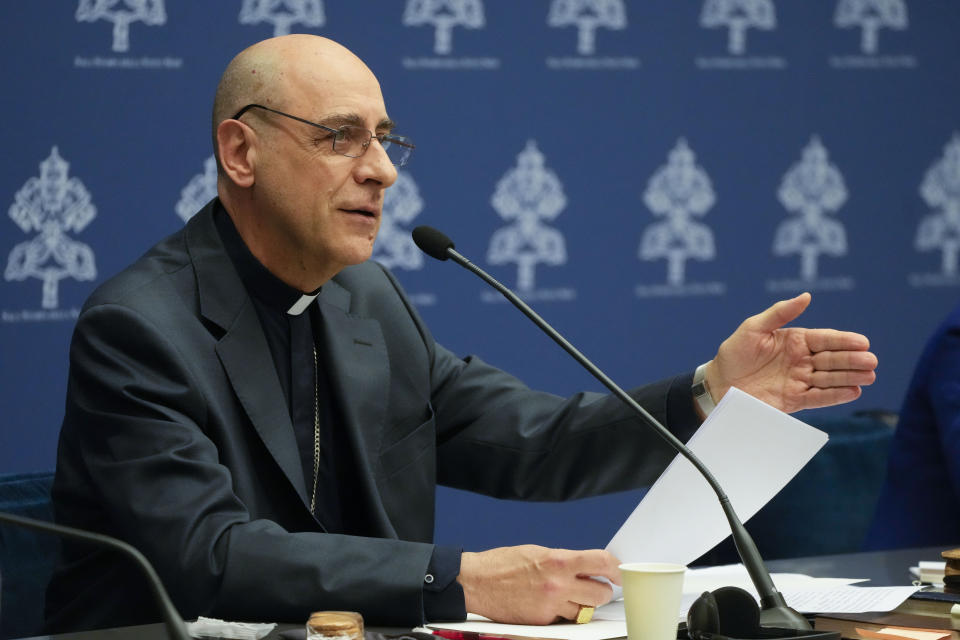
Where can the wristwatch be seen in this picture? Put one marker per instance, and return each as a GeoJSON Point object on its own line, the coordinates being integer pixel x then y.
{"type": "Point", "coordinates": [701, 393]}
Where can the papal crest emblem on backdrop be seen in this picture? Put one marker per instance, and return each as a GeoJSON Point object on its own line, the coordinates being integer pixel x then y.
{"type": "Point", "coordinates": [812, 190]}
{"type": "Point", "coordinates": [283, 14]}
{"type": "Point", "coordinates": [738, 17]}
{"type": "Point", "coordinates": [680, 193]}
{"type": "Point", "coordinates": [200, 190]}
{"type": "Point", "coordinates": [394, 247]}
{"type": "Point", "coordinates": [871, 17]}
{"type": "Point", "coordinates": [445, 16]}
{"type": "Point", "coordinates": [939, 230]}
{"type": "Point", "coordinates": [528, 197]}
{"type": "Point", "coordinates": [588, 17]}
{"type": "Point", "coordinates": [122, 13]}
{"type": "Point", "coordinates": [50, 206]}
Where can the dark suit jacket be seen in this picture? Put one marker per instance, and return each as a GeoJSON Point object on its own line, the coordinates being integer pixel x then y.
{"type": "Point", "coordinates": [177, 439]}
{"type": "Point", "coordinates": [919, 504]}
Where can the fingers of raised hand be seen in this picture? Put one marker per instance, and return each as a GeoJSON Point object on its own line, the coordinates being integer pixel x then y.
{"type": "Point", "coordinates": [842, 369]}
{"type": "Point", "coordinates": [832, 340]}
{"type": "Point", "coordinates": [844, 361]}
{"type": "Point", "coordinates": [837, 379]}
{"type": "Point", "coordinates": [815, 398]}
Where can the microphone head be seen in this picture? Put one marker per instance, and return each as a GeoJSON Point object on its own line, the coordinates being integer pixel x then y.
{"type": "Point", "coordinates": [432, 242]}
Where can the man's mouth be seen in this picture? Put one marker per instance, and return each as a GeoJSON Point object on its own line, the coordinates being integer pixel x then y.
{"type": "Point", "coordinates": [364, 212]}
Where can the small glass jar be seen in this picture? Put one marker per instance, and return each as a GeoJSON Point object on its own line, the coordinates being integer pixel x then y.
{"type": "Point", "coordinates": [335, 625]}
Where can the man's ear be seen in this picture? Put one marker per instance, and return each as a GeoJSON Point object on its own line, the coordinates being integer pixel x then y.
{"type": "Point", "coordinates": [236, 148]}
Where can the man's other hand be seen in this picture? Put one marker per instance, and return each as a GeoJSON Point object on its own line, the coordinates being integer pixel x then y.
{"type": "Point", "coordinates": [792, 368]}
{"type": "Point", "coordinates": [535, 585]}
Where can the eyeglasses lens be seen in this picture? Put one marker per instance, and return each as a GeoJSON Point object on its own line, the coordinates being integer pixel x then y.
{"type": "Point", "coordinates": [353, 142]}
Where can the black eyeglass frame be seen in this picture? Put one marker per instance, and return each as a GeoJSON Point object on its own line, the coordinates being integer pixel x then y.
{"type": "Point", "coordinates": [388, 138]}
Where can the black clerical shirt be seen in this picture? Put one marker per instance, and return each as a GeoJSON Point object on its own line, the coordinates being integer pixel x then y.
{"type": "Point", "coordinates": [291, 322]}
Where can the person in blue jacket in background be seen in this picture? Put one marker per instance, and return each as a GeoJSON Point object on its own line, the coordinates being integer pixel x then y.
{"type": "Point", "coordinates": [919, 499]}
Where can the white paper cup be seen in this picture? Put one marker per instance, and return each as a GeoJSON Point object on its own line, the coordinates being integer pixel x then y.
{"type": "Point", "coordinates": [651, 599]}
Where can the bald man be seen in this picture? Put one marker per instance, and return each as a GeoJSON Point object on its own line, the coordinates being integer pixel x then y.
{"type": "Point", "coordinates": [260, 410]}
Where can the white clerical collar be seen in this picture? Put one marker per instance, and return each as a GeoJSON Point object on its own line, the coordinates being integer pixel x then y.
{"type": "Point", "coordinates": [302, 303]}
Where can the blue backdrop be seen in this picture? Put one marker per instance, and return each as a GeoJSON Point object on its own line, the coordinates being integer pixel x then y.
{"type": "Point", "coordinates": [646, 172]}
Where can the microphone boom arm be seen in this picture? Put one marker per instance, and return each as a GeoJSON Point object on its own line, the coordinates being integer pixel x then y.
{"type": "Point", "coordinates": [775, 611]}
{"type": "Point", "coordinates": [175, 627]}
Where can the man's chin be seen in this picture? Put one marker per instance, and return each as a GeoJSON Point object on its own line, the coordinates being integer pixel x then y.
{"type": "Point", "coordinates": [359, 256]}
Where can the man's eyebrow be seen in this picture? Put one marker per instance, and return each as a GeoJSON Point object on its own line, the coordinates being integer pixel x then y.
{"type": "Point", "coordinates": [337, 120]}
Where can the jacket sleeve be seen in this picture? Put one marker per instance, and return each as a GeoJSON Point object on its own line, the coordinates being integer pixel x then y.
{"type": "Point", "coordinates": [500, 438]}
{"type": "Point", "coordinates": [497, 436]}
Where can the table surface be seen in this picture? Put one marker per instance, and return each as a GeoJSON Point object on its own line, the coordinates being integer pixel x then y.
{"type": "Point", "coordinates": [883, 568]}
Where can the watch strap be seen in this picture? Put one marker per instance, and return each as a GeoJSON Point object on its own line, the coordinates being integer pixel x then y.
{"type": "Point", "coordinates": [701, 392]}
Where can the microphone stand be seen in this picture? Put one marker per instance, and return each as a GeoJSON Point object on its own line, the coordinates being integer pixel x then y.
{"type": "Point", "coordinates": [175, 627]}
{"type": "Point", "coordinates": [774, 610]}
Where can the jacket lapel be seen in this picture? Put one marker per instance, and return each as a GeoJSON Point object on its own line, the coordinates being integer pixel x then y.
{"type": "Point", "coordinates": [245, 356]}
{"type": "Point", "coordinates": [359, 373]}
{"type": "Point", "coordinates": [243, 349]}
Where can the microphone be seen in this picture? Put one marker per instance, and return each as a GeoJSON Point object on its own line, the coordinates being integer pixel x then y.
{"type": "Point", "coordinates": [432, 242]}
{"type": "Point", "coordinates": [774, 610]}
{"type": "Point", "coordinates": [175, 627]}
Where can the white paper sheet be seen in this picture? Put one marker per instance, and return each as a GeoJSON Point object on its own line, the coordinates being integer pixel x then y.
{"type": "Point", "coordinates": [849, 599]}
{"type": "Point", "coordinates": [751, 448]}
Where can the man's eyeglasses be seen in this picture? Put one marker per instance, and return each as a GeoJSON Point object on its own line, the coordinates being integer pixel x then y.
{"type": "Point", "coordinates": [352, 141]}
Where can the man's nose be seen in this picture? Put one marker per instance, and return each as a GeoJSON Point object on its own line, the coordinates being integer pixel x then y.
{"type": "Point", "coordinates": [375, 165]}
